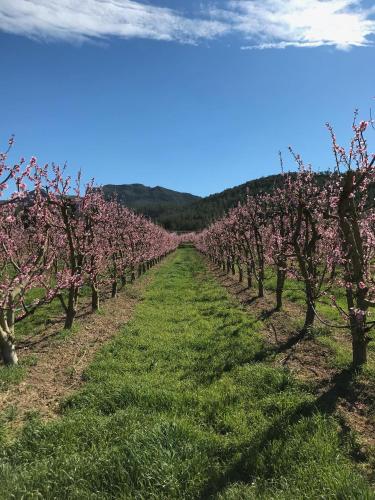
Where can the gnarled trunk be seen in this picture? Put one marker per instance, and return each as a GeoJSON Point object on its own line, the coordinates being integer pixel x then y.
{"type": "Point", "coordinates": [359, 345]}
{"type": "Point", "coordinates": [228, 266]}
{"type": "Point", "coordinates": [95, 301]}
{"type": "Point", "coordinates": [240, 273]}
{"type": "Point", "coordinates": [358, 329]}
{"type": "Point", "coordinates": [7, 348]}
{"type": "Point", "coordinates": [281, 274]}
{"type": "Point", "coordinates": [260, 287]}
{"type": "Point", "coordinates": [249, 275]}
{"type": "Point", "coordinates": [310, 311]}
{"type": "Point", "coordinates": [114, 289]}
{"type": "Point", "coordinates": [71, 309]}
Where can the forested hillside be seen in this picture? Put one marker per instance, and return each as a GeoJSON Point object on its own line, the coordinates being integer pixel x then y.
{"type": "Point", "coordinates": [201, 213]}
{"type": "Point", "coordinates": [185, 212]}
{"type": "Point", "coordinates": [154, 202]}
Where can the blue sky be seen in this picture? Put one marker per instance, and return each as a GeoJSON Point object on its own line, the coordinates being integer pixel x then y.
{"type": "Point", "coordinates": [196, 98]}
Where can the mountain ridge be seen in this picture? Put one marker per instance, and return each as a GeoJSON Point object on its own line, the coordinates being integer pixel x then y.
{"type": "Point", "coordinates": [183, 211]}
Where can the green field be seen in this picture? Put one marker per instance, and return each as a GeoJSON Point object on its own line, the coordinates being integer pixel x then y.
{"type": "Point", "coordinates": [182, 405]}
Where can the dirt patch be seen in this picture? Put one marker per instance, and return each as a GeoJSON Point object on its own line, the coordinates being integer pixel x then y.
{"type": "Point", "coordinates": [60, 362]}
{"type": "Point", "coordinates": [338, 391]}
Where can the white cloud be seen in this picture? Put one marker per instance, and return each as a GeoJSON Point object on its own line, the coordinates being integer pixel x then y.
{"type": "Point", "coordinates": [260, 24]}
{"type": "Point", "coordinates": [92, 19]}
{"type": "Point", "coordinates": [301, 23]}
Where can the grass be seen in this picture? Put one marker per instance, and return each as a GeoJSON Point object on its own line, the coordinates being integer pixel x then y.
{"type": "Point", "coordinates": [177, 407]}
{"type": "Point", "coordinates": [10, 376]}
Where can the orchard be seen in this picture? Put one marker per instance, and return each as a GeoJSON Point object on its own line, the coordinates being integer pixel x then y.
{"type": "Point", "coordinates": [57, 236]}
{"type": "Point", "coordinates": [320, 236]}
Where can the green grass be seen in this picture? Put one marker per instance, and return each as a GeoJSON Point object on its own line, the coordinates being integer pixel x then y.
{"type": "Point", "coordinates": [10, 376]}
{"type": "Point", "coordinates": [13, 375]}
{"type": "Point", "coordinates": [178, 407]}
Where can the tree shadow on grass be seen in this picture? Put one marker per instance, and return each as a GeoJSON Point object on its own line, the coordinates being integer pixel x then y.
{"type": "Point", "coordinates": [243, 470]}
{"type": "Point", "coordinates": [281, 347]}
{"type": "Point", "coordinates": [242, 290]}
{"type": "Point", "coordinates": [249, 301]}
{"type": "Point", "coordinates": [340, 387]}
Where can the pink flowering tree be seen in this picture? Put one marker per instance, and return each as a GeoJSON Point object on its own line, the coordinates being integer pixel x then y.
{"type": "Point", "coordinates": [308, 214]}
{"type": "Point", "coordinates": [27, 255]}
{"type": "Point", "coordinates": [56, 237]}
{"type": "Point", "coordinates": [71, 237]}
{"type": "Point", "coordinates": [355, 229]}
{"type": "Point", "coordinates": [96, 214]}
{"type": "Point", "coordinates": [118, 245]}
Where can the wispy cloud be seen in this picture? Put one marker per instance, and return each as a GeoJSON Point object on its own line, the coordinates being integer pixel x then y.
{"type": "Point", "coordinates": [260, 24]}
{"type": "Point", "coordinates": [93, 19]}
{"type": "Point", "coordinates": [300, 23]}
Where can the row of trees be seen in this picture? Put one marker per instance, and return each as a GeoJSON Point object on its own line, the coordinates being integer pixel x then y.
{"type": "Point", "coordinates": [323, 236]}
{"type": "Point", "coordinates": [57, 236]}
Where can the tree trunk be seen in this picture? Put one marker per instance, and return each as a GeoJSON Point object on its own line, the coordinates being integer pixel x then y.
{"type": "Point", "coordinates": [114, 289]}
{"type": "Point", "coordinates": [280, 288]}
{"type": "Point", "coordinates": [7, 349]}
{"type": "Point", "coordinates": [240, 274]}
{"type": "Point", "coordinates": [310, 315]}
{"type": "Point", "coordinates": [359, 344]}
{"type": "Point", "coordinates": [249, 275]}
{"type": "Point", "coordinates": [95, 302]}
{"type": "Point", "coordinates": [358, 331]}
{"type": "Point", "coordinates": [260, 288]}
{"type": "Point", "coordinates": [71, 309]}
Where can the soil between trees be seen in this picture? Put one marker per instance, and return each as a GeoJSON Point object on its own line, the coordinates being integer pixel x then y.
{"type": "Point", "coordinates": [55, 360]}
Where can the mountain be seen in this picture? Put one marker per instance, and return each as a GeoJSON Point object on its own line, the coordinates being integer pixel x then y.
{"type": "Point", "coordinates": [153, 202]}
{"type": "Point", "coordinates": [202, 212]}
{"type": "Point", "coordinates": [186, 212]}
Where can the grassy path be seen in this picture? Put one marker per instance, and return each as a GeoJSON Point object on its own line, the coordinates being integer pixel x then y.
{"type": "Point", "coordinates": [179, 406]}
